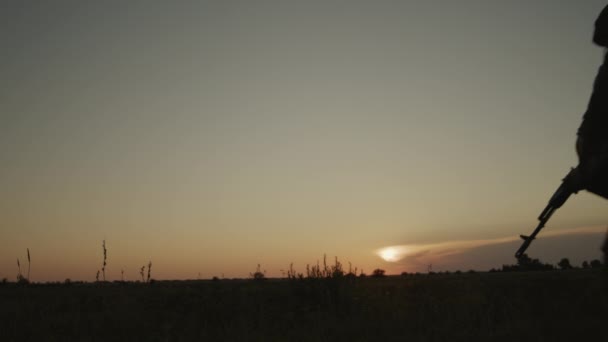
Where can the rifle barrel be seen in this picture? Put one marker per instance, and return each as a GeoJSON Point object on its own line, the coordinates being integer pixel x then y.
{"type": "Point", "coordinates": [560, 197]}
{"type": "Point", "coordinates": [545, 216]}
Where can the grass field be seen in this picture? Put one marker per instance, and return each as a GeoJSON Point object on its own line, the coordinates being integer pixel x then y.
{"type": "Point", "coordinates": [516, 306]}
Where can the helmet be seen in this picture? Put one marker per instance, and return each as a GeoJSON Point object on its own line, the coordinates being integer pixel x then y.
{"type": "Point", "coordinates": [600, 35]}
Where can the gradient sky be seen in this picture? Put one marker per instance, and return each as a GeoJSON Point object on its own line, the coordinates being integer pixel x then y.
{"type": "Point", "coordinates": [210, 136]}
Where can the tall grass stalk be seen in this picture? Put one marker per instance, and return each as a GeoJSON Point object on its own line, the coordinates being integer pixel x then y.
{"type": "Point", "coordinates": [105, 255]}
{"type": "Point", "coordinates": [29, 263]}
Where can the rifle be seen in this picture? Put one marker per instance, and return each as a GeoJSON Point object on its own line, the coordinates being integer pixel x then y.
{"type": "Point", "coordinates": [560, 197]}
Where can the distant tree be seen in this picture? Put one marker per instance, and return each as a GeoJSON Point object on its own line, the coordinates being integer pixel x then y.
{"type": "Point", "coordinates": [349, 275]}
{"type": "Point", "coordinates": [258, 274]}
{"type": "Point", "coordinates": [509, 268]}
{"type": "Point", "coordinates": [564, 264]}
{"type": "Point", "coordinates": [596, 263]}
{"type": "Point", "coordinates": [525, 263]}
{"type": "Point", "coordinates": [378, 273]}
{"type": "Point", "coordinates": [585, 264]}
{"type": "Point", "coordinates": [523, 260]}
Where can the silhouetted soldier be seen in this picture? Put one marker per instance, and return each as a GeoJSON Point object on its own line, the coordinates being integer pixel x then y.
{"type": "Point", "coordinates": [592, 142]}
{"type": "Point", "coordinates": [591, 174]}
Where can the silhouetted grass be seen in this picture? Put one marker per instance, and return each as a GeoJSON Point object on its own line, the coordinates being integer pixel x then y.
{"type": "Point", "coordinates": [29, 264]}
{"type": "Point", "coordinates": [149, 271]}
{"type": "Point", "coordinates": [513, 306]}
{"type": "Point", "coordinates": [21, 279]}
{"type": "Point", "coordinates": [105, 257]}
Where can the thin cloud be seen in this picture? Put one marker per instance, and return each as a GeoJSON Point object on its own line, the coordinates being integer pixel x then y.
{"type": "Point", "coordinates": [413, 252]}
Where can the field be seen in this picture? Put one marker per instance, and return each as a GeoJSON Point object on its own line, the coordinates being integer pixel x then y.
{"type": "Point", "coordinates": [504, 306]}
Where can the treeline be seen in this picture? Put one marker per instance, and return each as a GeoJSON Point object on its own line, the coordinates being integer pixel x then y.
{"type": "Point", "coordinates": [525, 263]}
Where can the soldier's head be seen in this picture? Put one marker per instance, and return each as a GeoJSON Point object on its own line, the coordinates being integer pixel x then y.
{"type": "Point", "coordinates": [600, 35]}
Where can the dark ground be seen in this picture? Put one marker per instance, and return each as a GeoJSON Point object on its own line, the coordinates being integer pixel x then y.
{"type": "Point", "coordinates": [520, 306]}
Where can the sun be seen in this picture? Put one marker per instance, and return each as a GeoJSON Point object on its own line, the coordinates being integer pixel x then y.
{"type": "Point", "coordinates": [390, 254]}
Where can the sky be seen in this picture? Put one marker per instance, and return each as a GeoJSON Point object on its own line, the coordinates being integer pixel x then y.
{"type": "Point", "coordinates": [212, 136]}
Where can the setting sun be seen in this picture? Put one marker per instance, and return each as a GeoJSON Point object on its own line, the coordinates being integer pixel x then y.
{"type": "Point", "coordinates": [390, 254]}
